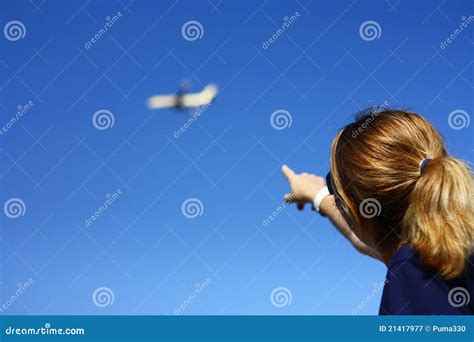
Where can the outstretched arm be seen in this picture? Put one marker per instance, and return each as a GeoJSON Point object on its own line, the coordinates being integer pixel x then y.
{"type": "Point", "coordinates": [328, 208]}
{"type": "Point", "coordinates": [304, 188]}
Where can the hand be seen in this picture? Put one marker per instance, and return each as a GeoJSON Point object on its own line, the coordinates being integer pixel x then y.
{"type": "Point", "coordinates": [304, 187]}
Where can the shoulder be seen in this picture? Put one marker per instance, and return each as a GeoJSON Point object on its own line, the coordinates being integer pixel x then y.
{"type": "Point", "coordinates": [413, 289]}
{"type": "Point", "coordinates": [406, 265]}
{"type": "Point", "coordinates": [403, 272]}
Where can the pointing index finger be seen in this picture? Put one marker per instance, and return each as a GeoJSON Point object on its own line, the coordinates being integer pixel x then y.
{"type": "Point", "coordinates": [289, 173]}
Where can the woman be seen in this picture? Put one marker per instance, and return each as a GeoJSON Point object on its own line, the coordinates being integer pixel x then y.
{"type": "Point", "coordinates": [396, 195]}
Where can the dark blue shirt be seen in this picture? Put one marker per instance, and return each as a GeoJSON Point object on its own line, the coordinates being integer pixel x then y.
{"type": "Point", "coordinates": [414, 289]}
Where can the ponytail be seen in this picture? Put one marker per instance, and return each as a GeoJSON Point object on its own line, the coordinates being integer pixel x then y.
{"type": "Point", "coordinates": [439, 220]}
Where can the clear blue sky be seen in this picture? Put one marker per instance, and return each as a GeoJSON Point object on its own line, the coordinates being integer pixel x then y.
{"type": "Point", "coordinates": [142, 248]}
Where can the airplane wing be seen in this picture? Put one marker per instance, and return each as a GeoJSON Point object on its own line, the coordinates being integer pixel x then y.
{"type": "Point", "coordinates": [199, 99]}
{"type": "Point", "coordinates": [162, 101]}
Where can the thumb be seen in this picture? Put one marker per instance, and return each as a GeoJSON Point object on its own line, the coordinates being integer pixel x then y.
{"type": "Point", "coordinates": [290, 198]}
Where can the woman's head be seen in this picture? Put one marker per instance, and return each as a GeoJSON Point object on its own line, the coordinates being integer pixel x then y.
{"type": "Point", "coordinates": [389, 201]}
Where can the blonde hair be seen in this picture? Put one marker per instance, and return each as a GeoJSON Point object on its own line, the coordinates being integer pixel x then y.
{"type": "Point", "coordinates": [376, 160]}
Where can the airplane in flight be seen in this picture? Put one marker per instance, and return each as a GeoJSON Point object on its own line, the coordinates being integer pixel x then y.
{"type": "Point", "coordinates": [184, 99]}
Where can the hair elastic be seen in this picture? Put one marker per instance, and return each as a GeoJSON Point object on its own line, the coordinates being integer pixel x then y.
{"type": "Point", "coordinates": [423, 164]}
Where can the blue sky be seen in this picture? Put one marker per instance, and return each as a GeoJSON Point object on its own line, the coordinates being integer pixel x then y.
{"type": "Point", "coordinates": [141, 255]}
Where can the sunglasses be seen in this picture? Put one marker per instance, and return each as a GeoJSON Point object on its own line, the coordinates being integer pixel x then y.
{"type": "Point", "coordinates": [329, 183]}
